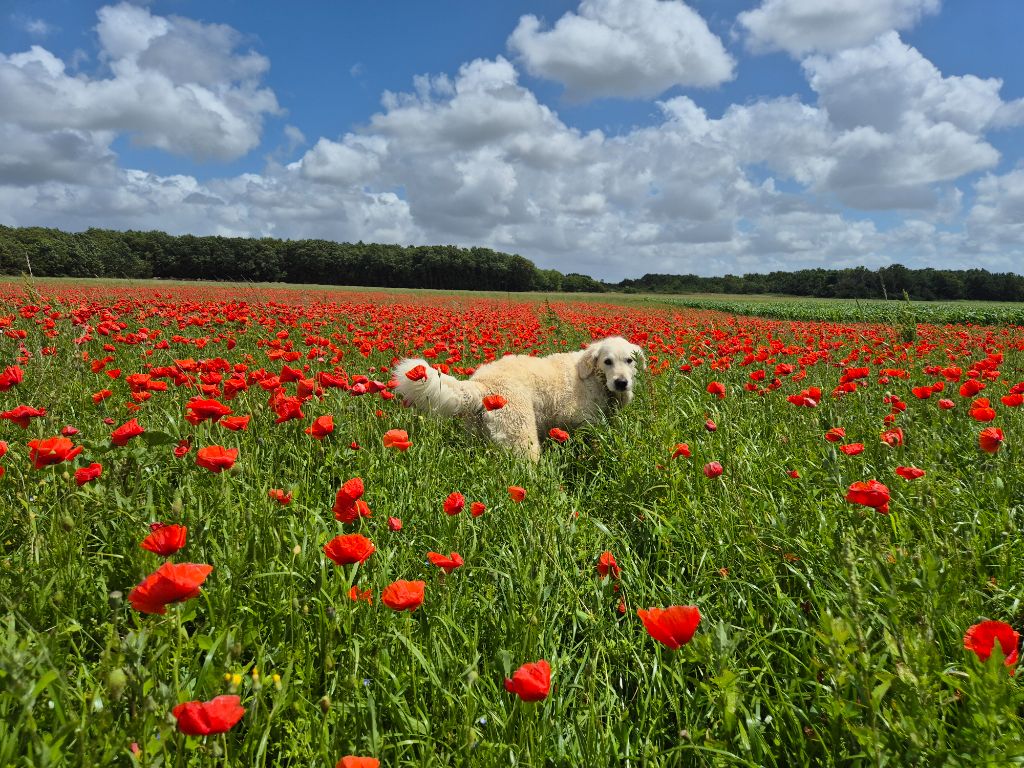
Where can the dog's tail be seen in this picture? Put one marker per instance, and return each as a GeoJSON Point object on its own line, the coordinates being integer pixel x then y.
{"type": "Point", "coordinates": [427, 389]}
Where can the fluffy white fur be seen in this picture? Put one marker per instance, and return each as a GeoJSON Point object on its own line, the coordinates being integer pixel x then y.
{"type": "Point", "coordinates": [561, 390]}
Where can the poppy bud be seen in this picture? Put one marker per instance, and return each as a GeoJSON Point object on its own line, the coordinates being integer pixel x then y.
{"type": "Point", "coordinates": [117, 681]}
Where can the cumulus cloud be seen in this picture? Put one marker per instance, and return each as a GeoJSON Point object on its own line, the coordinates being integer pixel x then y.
{"type": "Point", "coordinates": [901, 125]}
{"type": "Point", "coordinates": [623, 48]}
{"type": "Point", "coordinates": [995, 223]}
{"type": "Point", "coordinates": [173, 84]}
{"type": "Point", "coordinates": [802, 26]}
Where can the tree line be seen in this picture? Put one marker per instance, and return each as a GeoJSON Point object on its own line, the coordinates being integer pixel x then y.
{"type": "Point", "coordinates": [892, 282]}
{"type": "Point", "coordinates": [45, 252]}
{"type": "Point", "coordinates": [110, 253]}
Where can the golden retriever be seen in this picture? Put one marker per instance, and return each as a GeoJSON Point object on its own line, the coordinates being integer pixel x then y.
{"type": "Point", "coordinates": [561, 390]}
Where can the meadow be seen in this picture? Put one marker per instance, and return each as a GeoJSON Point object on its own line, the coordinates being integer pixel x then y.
{"type": "Point", "coordinates": [841, 502]}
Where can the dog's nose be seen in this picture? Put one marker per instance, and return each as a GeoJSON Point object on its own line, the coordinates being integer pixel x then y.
{"type": "Point", "coordinates": [621, 384]}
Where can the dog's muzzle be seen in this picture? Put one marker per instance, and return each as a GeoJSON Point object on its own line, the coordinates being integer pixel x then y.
{"type": "Point", "coordinates": [621, 385]}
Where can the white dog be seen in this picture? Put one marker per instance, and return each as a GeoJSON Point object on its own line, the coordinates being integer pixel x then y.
{"type": "Point", "coordinates": [560, 390]}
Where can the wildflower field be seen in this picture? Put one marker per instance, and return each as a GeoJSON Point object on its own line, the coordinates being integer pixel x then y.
{"type": "Point", "coordinates": [224, 541]}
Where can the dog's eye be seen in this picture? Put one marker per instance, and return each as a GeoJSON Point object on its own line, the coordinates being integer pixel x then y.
{"type": "Point", "coordinates": [608, 361]}
{"type": "Point", "coordinates": [631, 361]}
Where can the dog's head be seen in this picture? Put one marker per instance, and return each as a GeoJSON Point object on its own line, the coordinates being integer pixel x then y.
{"type": "Point", "coordinates": [617, 361]}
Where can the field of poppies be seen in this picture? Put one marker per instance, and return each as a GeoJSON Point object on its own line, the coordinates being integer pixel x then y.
{"type": "Point", "coordinates": [225, 542]}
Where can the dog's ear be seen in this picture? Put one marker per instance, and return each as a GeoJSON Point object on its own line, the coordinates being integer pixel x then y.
{"type": "Point", "coordinates": [641, 358]}
{"type": "Point", "coordinates": [587, 362]}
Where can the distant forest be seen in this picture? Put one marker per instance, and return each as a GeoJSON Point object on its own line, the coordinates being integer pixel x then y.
{"type": "Point", "coordinates": [108, 253]}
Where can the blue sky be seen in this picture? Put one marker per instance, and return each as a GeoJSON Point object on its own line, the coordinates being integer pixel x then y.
{"type": "Point", "coordinates": [611, 137]}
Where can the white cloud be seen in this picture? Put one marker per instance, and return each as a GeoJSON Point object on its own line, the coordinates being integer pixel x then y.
{"type": "Point", "coordinates": [995, 223]}
{"type": "Point", "coordinates": [802, 26]}
{"type": "Point", "coordinates": [623, 48]}
{"type": "Point", "coordinates": [175, 84]}
{"type": "Point", "coordinates": [30, 157]}
{"type": "Point", "coordinates": [901, 126]}
{"type": "Point", "coordinates": [35, 27]}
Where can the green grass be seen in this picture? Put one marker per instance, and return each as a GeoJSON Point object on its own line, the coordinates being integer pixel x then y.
{"type": "Point", "coordinates": [831, 635]}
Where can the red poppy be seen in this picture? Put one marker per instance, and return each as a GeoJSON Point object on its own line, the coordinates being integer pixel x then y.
{"type": "Point", "coordinates": [165, 540]}
{"type": "Point", "coordinates": [1012, 401]}
{"type": "Point", "coordinates": [183, 447]}
{"type": "Point", "coordinates": [808, 398]}
{"type": "Point", "coordinates": [681, 449]}
{"type": "Point", "coordinates": [355, 595]}
{"type": "Point", "coordinates": [494, 402]}
{"type": "Point", "coordinates": [922, 393]}
{"type": "Point", "coordinates": [835, 435]}
{"type": "Point", "coordinates": [216, 458]}
{"type": "Point", "coordinates": [852, 449]}
{"type": "Point", "coordinates": [946, 404]}
{"type": "Point", "coordinates": [981, 638]}
{"type": "Point", "coordinates": [516, 493]}
{"type": "Point", "coordinates": [606, 565]}
{"type": "Point", "coordinates": [3, 448]}
{"type": "Point", "coordinates": [280, 496]}
{"type": "Point", "coordinates": [11, 375]}
{"type": "Point", "coordinates": [52, 450]}
{"type": "Point", "coordinates": [892, 437]}
{"type": "Point", "coordinates": [394, 524]}
{"type": "Point", "coordinates": [910, 473]}
{"type": "Point", "coordinates": [416, 373]}
{"type": "Point", "coordinates": [235, 423]}
{"type": "Point", "coordinates": [710, 425]}
{"type": "Point", "coordinates": [287, 408]}
{"type": "Point", "coordinates": [85, 475]}
{"type": "Point", "coordinates": [558, 435]}
{"type": "Point", "coordinates": [349, 548]}
{"type": "Point", "coordinates": [170, 583]}
{"type": "Point", "coordinates": [205, 410]}
{"type": "Point", "coordinates": [68, 431]}
{"type": "Point", "coordinates": [970, 388]}
{"type": "Point", "coordinates": [446, 564]}
{"type": "Point", "coordinates": [794, 474]}
{"type": "Point", "coordinates": [531, 682]}
{"type": "Point", "coordinates": [713, 469]}
{"type": "Point", "coordinates": [870, 493]}
{"type": "Point", "coordinates": [345, 500]}
{"type": "Point", "coordinates": [321, 427]}
{"type": "Point", "coordinates": [717, 388]}
{"type": "Point", "coordinates": [477, 508]}
{"type": "Point", "coordinates": [673, 626]}
{"type": "Point", "coordinates": [454, 503]}
{"type": "Point", "coordinates": [100, 396]}
{"type": "Point", "coordinates": [23, 414]}
{"type": "Point", "coordinates": [126, 432]}
{"type": "Point", "coordinates": [351, 761]}
{"type": "Point", "coordinates": [990, 439]}
{"type": "Point", "coordinates": [398, 439]}
{"type": "Point", "coordinates": [983, 415]}
{"type": "Point", "coordinates": [203, 718]}
{"type": "Point", "coordinates": [288, 375]}
{"type": "Point", "coordinates": [403, 595]}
